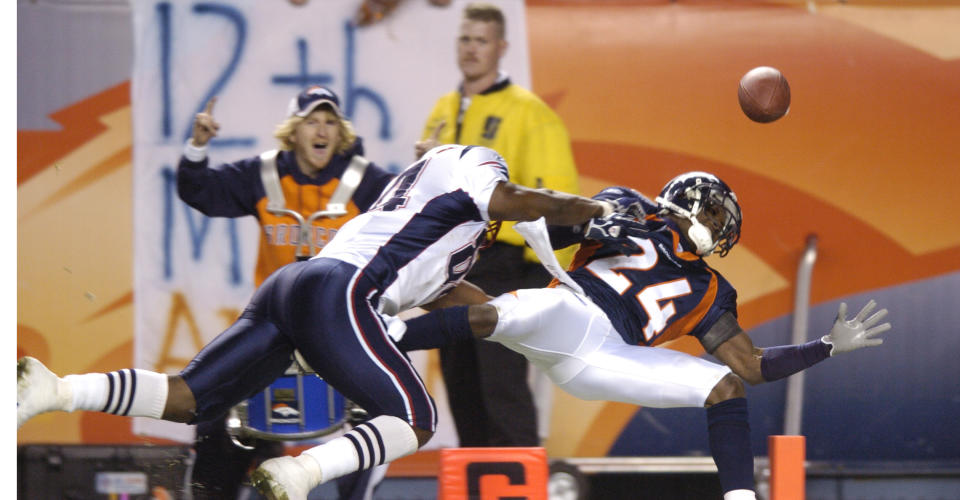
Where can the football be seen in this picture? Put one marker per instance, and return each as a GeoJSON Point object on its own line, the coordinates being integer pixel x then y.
{"type": "Point", "coordinates": [764, 94]}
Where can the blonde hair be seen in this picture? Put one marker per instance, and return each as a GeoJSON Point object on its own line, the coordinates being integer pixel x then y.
{"type": "Point", "coordinates": [488, 13]}
{"type": "Point", "coordinates": [284, 132]}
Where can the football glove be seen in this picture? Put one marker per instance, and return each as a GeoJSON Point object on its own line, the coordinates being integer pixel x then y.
{"type": "Point", "coordinates": [630, 205]}
{"type": "Point", "coordinates": [616, 229]}
{"type": "Point", "coordinates": [849, 335]}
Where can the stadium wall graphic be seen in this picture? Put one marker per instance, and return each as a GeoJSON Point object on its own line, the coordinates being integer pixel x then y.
{"type": "Point", "coordinates": [866, 160]}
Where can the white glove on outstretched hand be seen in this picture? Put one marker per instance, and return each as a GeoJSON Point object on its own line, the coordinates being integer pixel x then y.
{"type": "Point", "coordinates": [849, 335]}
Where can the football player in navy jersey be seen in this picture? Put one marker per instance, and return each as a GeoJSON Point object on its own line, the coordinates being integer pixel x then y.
{"type": "Point", "coordinates": [635, 286]}
{"type": "Point", "coordinates": [411, 248]}
{"type": "Point", "coordinates": [319, 153]}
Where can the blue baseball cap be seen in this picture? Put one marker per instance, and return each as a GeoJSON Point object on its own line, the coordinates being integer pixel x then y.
{"type": "Point", "coordinates": [308, 100]}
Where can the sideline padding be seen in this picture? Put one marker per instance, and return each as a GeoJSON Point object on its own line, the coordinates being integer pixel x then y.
{"type": "Point", "coordinates": [493, 473]}
{"type": "Point", "coordinates": [787, 473]}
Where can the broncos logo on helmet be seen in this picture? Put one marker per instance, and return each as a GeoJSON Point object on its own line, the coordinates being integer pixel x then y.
{"type": "Point", "coordinates": [690, 194]}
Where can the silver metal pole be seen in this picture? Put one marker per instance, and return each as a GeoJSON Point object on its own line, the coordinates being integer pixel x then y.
{"type": "Point", "coordinates": [793, 410]}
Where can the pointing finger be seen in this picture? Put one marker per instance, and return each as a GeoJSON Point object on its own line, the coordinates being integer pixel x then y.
{"type": "Point", "coordinates": [208, 109]}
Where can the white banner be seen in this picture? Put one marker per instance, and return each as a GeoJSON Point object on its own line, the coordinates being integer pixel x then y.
{"type": "Point", "coordinates": [193, 274]}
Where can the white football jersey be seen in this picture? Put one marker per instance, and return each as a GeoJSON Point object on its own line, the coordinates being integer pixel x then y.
{"type": "Point", "coordinates": [422, 236]}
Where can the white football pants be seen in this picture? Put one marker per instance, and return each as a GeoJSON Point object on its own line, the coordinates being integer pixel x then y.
{"type": "Point", "coordinates": [571, 340]}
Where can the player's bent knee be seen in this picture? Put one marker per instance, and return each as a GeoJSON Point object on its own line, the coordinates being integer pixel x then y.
{"type": "Point", "coordinates": [483, 320]}
{"type": "Point", "coordinates": [729, 387]}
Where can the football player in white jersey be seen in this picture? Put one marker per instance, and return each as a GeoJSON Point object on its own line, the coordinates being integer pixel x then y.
{"type": "Point", "coordinates": [410, 249]}
{"type": "Point", "coordinates": [593, 333]}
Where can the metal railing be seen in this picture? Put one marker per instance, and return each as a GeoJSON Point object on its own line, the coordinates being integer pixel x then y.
{"type": "Point", "coordinates": [793, 410]}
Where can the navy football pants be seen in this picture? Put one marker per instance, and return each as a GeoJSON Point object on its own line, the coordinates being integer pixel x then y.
{"type": "Point", "coordinates": [322, 308]}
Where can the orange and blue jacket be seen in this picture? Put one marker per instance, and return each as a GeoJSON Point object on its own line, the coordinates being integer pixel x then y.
{"type": "Point", "coordinates": [236, 190]}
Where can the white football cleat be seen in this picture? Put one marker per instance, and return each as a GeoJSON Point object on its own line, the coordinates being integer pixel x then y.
{"type": "Point", "coordinates": [282, 478]}
{"type": "Point", "coordinates": [39, 390]}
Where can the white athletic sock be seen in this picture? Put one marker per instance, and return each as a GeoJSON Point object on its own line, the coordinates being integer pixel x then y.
{"type": "Point", "coordinates": [378, 441]}
{"type": "Point", "coordinates": [128, 392]}
{"type": "Point", "coordinates": [310, 465]}
{"type": "Point", "coordinates": [740, 495]}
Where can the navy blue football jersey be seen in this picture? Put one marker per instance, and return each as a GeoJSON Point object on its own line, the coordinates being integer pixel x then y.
{"type": "Point", "coordinates": [657, 293]}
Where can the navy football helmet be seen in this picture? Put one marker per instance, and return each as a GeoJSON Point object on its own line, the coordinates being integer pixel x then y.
{"type": "Point", "coordinates": [692, 193]}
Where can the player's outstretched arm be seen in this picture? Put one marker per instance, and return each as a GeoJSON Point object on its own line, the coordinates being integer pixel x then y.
{"type": "Point", "coordinates": [464, 294]}
{"type": "Point", "coordinates": [513, 202]}
{"type": "Point", "coordinates": [456, 317]}
{"type": "Point", "coordinates": [756, 365]}
{"type": "Point", "coordinates": [739, 353]}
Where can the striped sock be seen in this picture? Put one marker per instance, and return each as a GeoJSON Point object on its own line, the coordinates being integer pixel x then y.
{"type": "Point", "coordinates": [377, 441]}
{"type": "Point", "coordinates": [127, 392]}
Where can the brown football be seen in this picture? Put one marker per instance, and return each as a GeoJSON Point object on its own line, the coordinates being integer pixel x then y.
{"type": "Point", "coordinates": [764, 94]}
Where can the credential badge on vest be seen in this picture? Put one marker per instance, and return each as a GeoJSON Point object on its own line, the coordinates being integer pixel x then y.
{"type": "Point", "coordinates": [491, 126]}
